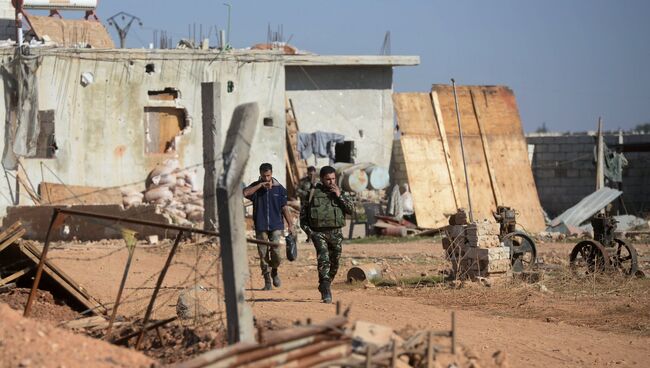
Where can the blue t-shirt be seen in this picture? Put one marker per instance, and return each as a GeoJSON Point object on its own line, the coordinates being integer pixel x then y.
{"type": "Point", "coordinates": [267, 206]}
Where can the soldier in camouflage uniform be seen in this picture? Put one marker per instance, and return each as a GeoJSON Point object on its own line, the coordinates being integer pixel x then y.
{"type": "Point", "coordinates": [306, 184]}
{"type": "Point", "coordinates": [322, 218]}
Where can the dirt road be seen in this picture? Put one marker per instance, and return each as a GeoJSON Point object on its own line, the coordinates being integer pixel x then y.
{"type": "Point", "coordinates": [607, 327]}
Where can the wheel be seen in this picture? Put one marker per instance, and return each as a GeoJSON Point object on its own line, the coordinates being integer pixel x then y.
{"type": "Point", "coordinates": [523, 252]}
{"type": "Point", "coordinates": [589, 256]}
{"type": "Point", "coordinates": [625, 259]}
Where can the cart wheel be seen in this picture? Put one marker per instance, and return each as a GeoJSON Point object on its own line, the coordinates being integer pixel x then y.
{"type": "Point", "coordinates": [625, 259]}
{"type": "Point", "coordinates": [523, 252]}
{"type": "Point", "coordinates": [589, 256]}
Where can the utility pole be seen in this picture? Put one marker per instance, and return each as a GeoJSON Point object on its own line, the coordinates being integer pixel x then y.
{"type": "Point", "coordinates": [123, 28]}
{"type": "Point", "coordinates": [211, 106]}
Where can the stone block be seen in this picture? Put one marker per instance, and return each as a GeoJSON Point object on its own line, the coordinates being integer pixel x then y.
{"type": "Point", "coordinates": [491, 254]}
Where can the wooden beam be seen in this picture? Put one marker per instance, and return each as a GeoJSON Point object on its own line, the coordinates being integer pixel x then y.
{"type": "Point", "coordinates": [486, 152]}
{"type": "Point", "coordinates": [15, 275]}
{"type": "Point", "coordinates": [11, 239]}
{"type": "Point", "coordinates": [231, 219]}
{"type": "Point", "coordinates": [64, 280]}
{"type": "Point", "coordinates": [445, 146]}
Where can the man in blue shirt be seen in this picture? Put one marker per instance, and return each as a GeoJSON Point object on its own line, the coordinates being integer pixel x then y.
{"type": "Point", "coordinates": [269, 199]}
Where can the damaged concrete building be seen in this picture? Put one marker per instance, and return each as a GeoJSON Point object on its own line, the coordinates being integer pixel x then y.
{"type": "Point", "coordinates": [105, 118]}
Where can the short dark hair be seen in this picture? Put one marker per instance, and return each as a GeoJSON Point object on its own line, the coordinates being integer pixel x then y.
{"type": "Point", "coordinates": [266, 167]}
{"type": "Point", "coordinates": [311, 169]}
{"type": "Point", "coordinates": [326, 170]}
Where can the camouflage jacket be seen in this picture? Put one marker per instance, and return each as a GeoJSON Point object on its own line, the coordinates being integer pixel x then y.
{"type": "Point", "coordinates": [324, 210]}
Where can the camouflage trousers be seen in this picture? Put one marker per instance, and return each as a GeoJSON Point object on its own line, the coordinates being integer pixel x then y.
{"type": "Point", "coordinates": [269, 255]}
{"type": "Point", "coordinates": [328, 253]}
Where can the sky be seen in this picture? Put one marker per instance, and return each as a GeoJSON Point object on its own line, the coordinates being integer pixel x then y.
{"type": "Point", "coordinates": [568, 62]}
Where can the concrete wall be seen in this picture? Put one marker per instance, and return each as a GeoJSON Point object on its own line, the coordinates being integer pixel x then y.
{"type": "Point", "coordinates": [99, 128]}
{"type": "Point", "coordinates": [565, 172]}
{"type": "Point", "coordinates": [355, 101]}
{"type": "Point", "coordinates": [7, 20]}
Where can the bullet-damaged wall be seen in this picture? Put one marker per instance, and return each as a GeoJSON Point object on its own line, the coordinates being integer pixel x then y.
{"type": "Point", "coordinates": [100, 127]}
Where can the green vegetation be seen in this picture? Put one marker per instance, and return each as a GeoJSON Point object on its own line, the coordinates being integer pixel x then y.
{"type": "Point", "coordinates": [410, 281]}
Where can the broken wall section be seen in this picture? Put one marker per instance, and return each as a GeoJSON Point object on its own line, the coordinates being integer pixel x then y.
{"type": "Point", "coordinates": [103, 112]}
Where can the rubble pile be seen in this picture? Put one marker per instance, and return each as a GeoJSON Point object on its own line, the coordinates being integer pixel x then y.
{"type": "Point", "coordinates": [174, 190]}
{"type": "Point", "coordinates": [474, 249]}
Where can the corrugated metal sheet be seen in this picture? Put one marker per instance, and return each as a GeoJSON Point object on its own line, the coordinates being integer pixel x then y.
{"type": "Point", "coordinates": [587, 207]}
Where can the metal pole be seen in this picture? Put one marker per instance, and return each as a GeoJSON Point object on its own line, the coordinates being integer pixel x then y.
{"type": "Point", "coordinates": [453, 332]}
{"type": "Point", "coordinates": [41, 263]}
{"type": "Point", "coordinates": [600, 175]}
{"type": "Point", "coordinates": [155, 224]}
{"type": "Point", "coordinates": [119, 292]}
{"type": "Point", "coordinates": [161, 277]}
{"type": "Point", "coordinates": [462, 150]}
{"type": "Point", "coordinates": [228, 29]}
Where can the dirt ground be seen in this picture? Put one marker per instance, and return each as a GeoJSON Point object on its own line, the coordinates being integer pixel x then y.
{"type": "Point", "coordinates": [560, 321]}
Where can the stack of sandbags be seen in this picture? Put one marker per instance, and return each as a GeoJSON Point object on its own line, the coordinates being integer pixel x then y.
{"type": "Point", "coordinates": [174, 190]}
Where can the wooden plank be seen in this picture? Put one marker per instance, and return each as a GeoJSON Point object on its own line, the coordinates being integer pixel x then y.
{"type": "Point", "coordinates": [12, 239]}
{"type": "Point", "coordinates": [52, 193]}
{"type": "Point", "coordinates": [15, 275]}
{"type": "Point", "coordinates": [71, 32]}
{"type": "Point", "coordinates": [486, 151]}
{"type": "Point", "coordinates": [11, 229]}
{"type": "Point", "coordinates": [64, 281]}
{"type": "Point", "coordinates": [502, 130]}
{"type": "Point", "coordinates": [445, 145]}
{"type": "Point", "coordinates": [424, 157]}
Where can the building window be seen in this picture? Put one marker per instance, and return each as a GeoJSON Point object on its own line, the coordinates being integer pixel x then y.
{"type": "Point", "coordinates": [162, 128]}
{"type": "Point", "coordinates": [46, 145]}
{"type": "Point", "coordinates": [268, 122]}
{"type": "Point", "coordinates": [167, 94]}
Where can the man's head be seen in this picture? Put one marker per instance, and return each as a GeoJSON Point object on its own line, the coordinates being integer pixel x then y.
{"type": "Point", "coordinates": [266, 172]}
{"type": "Point", "coordinates": [328, 175]}
{"type": "Point", "coordinates": [311, 172]}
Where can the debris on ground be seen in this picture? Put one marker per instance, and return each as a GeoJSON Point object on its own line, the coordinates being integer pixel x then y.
{"type": "Point", "coordinates": [36, 343]}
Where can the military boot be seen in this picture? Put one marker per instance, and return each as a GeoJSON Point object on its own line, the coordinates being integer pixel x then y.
{"type": "Point", "coordinates": [325, 292]}
{"type": "Point", "coordinates": [267, 282]}
{"type": "Point", "coordinates": [276, 278]}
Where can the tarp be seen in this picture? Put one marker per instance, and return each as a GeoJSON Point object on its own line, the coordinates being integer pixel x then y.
{"type": "Point", "coordinates": [72, 32]}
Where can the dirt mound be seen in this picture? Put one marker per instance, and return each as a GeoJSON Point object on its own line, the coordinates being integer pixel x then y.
{"type": "Point", "coordinates": [28, 343]}
{"type": "Point", "coordinates": [45, 307]}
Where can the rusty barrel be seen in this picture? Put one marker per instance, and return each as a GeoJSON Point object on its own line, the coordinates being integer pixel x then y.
{"type": "Point", "coordinates": [364, 272]}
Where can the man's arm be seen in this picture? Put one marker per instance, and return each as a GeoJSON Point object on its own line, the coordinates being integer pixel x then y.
{"type": "Point", "coordinates": [304, 220]}
{"type": "Point", "coordinates": [251, 189]}
{"type": "Point", "coordinates": [346, 204]}
{"type": "Point", "coordinates": [287, 216]}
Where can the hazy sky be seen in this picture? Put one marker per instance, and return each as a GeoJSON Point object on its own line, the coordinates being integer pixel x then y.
{"type": "Point", "coordinates": [567, 61]}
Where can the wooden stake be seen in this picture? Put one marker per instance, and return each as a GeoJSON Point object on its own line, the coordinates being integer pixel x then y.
{"type": "Point", "coordinates": [231, 222]}
{"type": "Point", "coordinates": [211, 108]}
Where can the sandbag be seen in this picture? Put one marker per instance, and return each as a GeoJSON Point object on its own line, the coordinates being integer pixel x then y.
{"type": "Point", "coordinates": [195, 216]}
{"type": "Point", "coordinates": [158, 193]}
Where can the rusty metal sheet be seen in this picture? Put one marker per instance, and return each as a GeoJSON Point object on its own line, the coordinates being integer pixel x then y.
{"type": "Point", "coordinates": [586, 208]}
